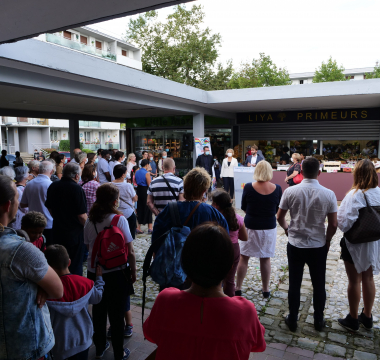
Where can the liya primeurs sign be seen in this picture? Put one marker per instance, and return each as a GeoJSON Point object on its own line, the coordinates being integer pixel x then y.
{"type": "Point", "coordinates": [308, 116]}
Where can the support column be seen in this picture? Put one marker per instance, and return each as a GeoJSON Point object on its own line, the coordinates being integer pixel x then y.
{"type": "Point", "coordinates": [74, 135]}
{"type": "Point", "coordinates": [321, 147]}
{"type": "Point", "coordinates": [198, 130]}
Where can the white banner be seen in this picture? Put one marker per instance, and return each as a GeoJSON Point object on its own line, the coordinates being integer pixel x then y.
{"type": "Point", "coordinates": [200, 143]}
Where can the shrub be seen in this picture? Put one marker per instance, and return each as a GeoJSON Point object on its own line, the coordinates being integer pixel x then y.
{"type": "Point", "coordinates": [88, 151]}
{"type": "Point", "coordinates": [49, 150]}
{"type": "Point", "coordinates": [64, 145]}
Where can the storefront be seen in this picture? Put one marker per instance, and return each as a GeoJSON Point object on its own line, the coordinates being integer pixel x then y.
{"type": "Point", "coordinates": [333, 134]}
{"type": "Point", "coordinates": [156, 134]}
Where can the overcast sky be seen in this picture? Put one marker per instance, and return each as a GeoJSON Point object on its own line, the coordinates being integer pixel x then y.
{"type": "Point", "coordinates": [297, 34]}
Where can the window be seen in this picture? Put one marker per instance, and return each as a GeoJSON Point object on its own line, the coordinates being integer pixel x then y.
{"type": "Point", "coordinates": [301, 82]}
{"type": "Point", "coordinates": [53, 135]}
{"type": "Point", "coordinates": [364, 76]}
{"type": "Point", "coordinates": [350, 77]}
{"type": "Point", "coordinates": [22, 119]}
{"type": "Point", "coordinates": [67, 35]}
{"type": "Point", "coordinates": [98, 45]}
{"type": "Point", "coordinates": [124, 52]}
{"type": "Point", "coordinates": [83, 39]}
{"type": "Point", "coordinates": [87, 136]}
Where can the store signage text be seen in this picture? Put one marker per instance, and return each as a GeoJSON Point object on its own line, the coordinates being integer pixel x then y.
{"type": "Point", "coordinates": [305, 116]}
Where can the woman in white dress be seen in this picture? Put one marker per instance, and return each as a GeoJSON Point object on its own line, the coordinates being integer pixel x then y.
{"type": "Point", "coordinates": [260, 202]}
{"type": "Point", "coordinates": [227, 172]}
{"type": "Point", "coordinates": [361, 260]}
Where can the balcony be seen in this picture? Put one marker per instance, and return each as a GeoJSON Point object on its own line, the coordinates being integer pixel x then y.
{"type": "Point", "coordinates": [59, 40]}
{"type": "Point", "coordinates": [92, 124]}
{"type": "Point", "coordinates": [25, 121]}
{"type": "Point", "coordinates": [104, 146]}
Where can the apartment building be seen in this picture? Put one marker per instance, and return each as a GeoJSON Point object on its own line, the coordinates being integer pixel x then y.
{"type": "Point", "coordinates": [27, 134]}
{"type": "Point", "coordinates": [351, 74]}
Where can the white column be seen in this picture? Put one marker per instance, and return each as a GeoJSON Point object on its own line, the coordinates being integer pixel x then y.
{"type": "Point", "coordinates": [321, 147]}
{"type": "Point", "coordinates": [198, 130]}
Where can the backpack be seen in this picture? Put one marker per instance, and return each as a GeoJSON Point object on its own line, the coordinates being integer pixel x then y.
{"type": "Point", "coordinates": [40, 243]}
{"type": "Point", "coordinates": [110, 248]}
{"type": "Point", "coordinates": [166, 269]}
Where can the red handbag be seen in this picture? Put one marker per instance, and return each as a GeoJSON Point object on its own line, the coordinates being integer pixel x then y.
{"type": "Point", "coordinates": [297, 179]}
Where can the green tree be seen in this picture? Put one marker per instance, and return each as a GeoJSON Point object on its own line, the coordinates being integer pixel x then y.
{"type": "Point", "coordinates": [180, 49]}
{"type": "Point", "coordinates": [375, 74]}
{"type": "Point", "coordinates": [261, 72]}
{"type": "Point", "coordinates": [329, 71]}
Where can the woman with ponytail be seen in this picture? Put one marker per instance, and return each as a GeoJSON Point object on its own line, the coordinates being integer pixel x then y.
{"type": "Point", "coordinates": [221, 201]}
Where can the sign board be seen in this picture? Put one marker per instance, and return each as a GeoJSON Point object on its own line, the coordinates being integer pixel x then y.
{"type": "Point", "coordinates": [242, 176]}
{"type": "Point", "coordinates": [308, 116]}
{"type": "Point", "coordinates": [332, 166]}
{"type": "Point", "coordinates": [200, 143]}
{"type": "Point", "coordinates": [283, 167]}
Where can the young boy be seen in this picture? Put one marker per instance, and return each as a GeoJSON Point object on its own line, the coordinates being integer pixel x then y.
{"type": "Point", "coordinates": [33, 224]}
{"type": "Point", "coordinates": [71, 322]}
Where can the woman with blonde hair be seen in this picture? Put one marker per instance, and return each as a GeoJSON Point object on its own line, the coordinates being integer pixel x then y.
{"type": "Point", "coordinates": [293, 170]}
{"type": "Point", "coordinates": [361, 260]}
{"type": "Point", "coordinates": [260, 202]}
{"type": "Point", "coordinates": [131, 162]}
{"type": "Point", "coordinates": [227, 173]}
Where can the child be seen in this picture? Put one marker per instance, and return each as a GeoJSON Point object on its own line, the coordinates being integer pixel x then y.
{"type": "Point", "coordinates": [71, 322]}
{"type": "Point", "coordinates": [33, 224]}
{"type": "Point", "coordinates": [221, 201]}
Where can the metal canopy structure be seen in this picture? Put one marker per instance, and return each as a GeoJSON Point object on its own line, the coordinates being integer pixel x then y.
{"type": "Point", "coordinates": [23, 19]}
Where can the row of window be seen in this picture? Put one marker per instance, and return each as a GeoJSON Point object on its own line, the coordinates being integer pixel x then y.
{"type": "Point", "coordinates": [352, 77]}
{"type": "Point", "coordinates": [84, 40]}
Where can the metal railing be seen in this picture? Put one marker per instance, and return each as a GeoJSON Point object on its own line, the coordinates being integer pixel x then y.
{"type": "Point", "coordinates": [89, 123]}
{"type": "Point", "coordinates": [59, 40]}
{"type": "Point", "coordinates": [95, 147]}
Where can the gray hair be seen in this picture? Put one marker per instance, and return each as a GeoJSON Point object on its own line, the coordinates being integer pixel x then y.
{"type": "Point", "coordinates": [53, 162]}
{"type": "Point", "coordinates": [71, 170]}
{"type": "Point", "coordinates": [168, 164]}
{"type": "Point", "coordinates": [80, 157]}
{"type": "Point", "coordinates": [33, 164]}
{"type": "Point", "coordinates": [45, 167]}
{"type": "Point", "coordinates": [8, 171]}
{"type": "Point", "coordinates": [21, 173]}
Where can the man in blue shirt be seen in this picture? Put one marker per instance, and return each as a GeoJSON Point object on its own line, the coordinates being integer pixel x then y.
{"type": "Point", "coordinates": [153, 165]}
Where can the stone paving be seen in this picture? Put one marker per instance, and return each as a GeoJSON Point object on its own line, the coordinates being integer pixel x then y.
{"type": "Point", "coordinates": [334, 341]}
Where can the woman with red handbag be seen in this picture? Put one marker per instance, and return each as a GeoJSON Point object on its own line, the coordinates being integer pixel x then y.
{"type": "Point", "coordinates": [294, 175]}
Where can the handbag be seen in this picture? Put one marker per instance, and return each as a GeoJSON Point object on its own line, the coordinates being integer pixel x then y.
{"type": "Point", "coordinates": [367, 227]}
{"type": "Point", "coordinates": [297, 179]}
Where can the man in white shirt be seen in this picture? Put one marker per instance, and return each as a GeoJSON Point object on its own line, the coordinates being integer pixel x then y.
{"type": "Point", "coordinates": [144, 156]}
{"type": "Point", "coordinates": [254, 158]}
{"type": "Point", "coordinates": [103, 169]}
{"type": "Point", "coordinates": [309, 204]}
{"type": "Point", "coordinates": [76, 152]}
{"type": "Point", "coordinates": [35, 193]}
{"type": "Point", "coordinates": [119, 158]}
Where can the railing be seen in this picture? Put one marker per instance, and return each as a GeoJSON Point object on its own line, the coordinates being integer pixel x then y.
{"type": "Point", "coordinates": [12, 148]}
{"type": "Point", "coordinates": [89, 123]}
{"type": "Point", "coordinates": [26, 121]}
{"type": "Point", "coordinates": [40, 147]}
{"type": "Point", "coordinates": [38, 121]}
{"type": "Point", "coordinates": [95, 147]}
{"type": "Point", "coordinates": [55, 39]}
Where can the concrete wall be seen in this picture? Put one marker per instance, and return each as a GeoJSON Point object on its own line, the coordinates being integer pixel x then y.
{"type": "Point", "coordinates": [127, 61]}
{"type": "Point", "coordinates": [23, 138]}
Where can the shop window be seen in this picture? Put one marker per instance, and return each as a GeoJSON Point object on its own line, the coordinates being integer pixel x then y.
{"type": "Point", "coordinates": [67, 35]}
{"type": "Point", "coordinates": [83, 40]}
{"type": "Point", "coordinates": [350, 149]}
{"type": "Point", "coordinates": [87, 136]}
{"type": "Point", "coordinates": [98, 45]}
{"type": "Point", "coordinates": [124, 52]}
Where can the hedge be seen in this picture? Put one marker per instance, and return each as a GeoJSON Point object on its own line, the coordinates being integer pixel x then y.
{"type": "Point", "coordinates": [64, 145]}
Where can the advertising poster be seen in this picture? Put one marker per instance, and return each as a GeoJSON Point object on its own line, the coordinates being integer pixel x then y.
{"type": "Point", "coordinates": [200, 143]}
{"type": "Point", "coordinates": [242, 175]}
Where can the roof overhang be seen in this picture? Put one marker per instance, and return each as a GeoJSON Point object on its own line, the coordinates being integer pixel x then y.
{"type": "Point", "coordinates": [23, 19]}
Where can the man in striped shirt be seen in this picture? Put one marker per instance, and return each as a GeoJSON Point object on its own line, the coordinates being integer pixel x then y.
{"type": "Point", "coordinates": [165, 188]}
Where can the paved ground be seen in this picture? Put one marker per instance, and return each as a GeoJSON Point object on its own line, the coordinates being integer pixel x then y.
{"type": "Point", "coordinates": [306, 343]}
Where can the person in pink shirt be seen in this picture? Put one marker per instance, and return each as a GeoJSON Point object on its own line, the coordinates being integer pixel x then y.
{"type": "Point", "coordinates": [200, 322]}
{"type": "Point", "coordinates": [221, 201]}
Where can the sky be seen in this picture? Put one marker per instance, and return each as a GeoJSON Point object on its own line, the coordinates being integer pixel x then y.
{"type": "Point", "coordinates": [297, 34]}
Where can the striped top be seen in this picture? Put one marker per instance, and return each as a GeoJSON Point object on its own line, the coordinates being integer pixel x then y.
{"type": "Point", "coordinates": [160, 191]}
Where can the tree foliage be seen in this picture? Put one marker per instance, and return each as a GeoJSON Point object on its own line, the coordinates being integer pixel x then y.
{"type": "Point", "coordinates": [329, 71]}
{"type": "Point", "coordinates": [375, 74]}
{"type": "Point", "coordinates": [180, 49]}
{"type": "Point", "coordinates": [261, 72]}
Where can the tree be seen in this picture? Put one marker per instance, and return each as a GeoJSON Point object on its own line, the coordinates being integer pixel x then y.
{"type": "Point", "coordinates": [261, 72]}
{"type": "Point", "coordinates": [375, 74]}
{"type": "Point", "coordinates": [180, 49]}
{"type": "Point", "coordinates": [329, 71]}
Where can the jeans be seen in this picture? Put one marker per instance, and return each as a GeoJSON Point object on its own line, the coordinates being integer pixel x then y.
{"type": "Point", "coordinates": [229, 281]}
{"type": "Point", "coordinates": [315, 258]}
{"type": "Point", "coordinates": [228, 184]}
{"type": "Point", "coordinates": [113, 303]}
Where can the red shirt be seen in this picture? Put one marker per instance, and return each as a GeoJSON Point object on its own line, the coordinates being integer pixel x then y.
{"type": "Point", "coordinates": [230, 328]}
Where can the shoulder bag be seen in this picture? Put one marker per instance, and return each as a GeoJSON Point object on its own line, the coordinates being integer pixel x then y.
{"type": "Point", "coordinates": [367, 227]}
{"type": "Point", "coordinates": [297, 179]}
{"type": "Point", "coordinates": [170, 188]}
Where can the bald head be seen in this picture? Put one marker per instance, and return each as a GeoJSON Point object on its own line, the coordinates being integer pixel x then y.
{"type": "Point", "coordinates": [168, 165]}
{"type": "Point", "coordinates": [77, 151]}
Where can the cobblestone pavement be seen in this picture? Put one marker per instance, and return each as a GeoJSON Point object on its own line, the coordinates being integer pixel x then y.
{"type": "Point", "coordinates": [333, 341]}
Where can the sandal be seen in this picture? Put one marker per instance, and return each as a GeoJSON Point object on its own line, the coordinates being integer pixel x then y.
{"type": "Point", "coordinates": [139, 231]}
{"type": "Point", "coordinates": [265, 294]}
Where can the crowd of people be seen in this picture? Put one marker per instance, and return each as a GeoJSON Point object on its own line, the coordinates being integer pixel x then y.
{"type": "Point", "coordinates": [55, 215]}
